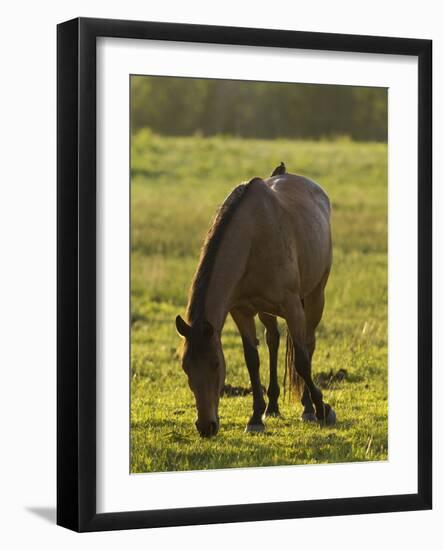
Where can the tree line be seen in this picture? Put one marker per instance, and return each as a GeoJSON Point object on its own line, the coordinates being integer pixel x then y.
{"type": "Point", "coordinates": [186, 106]}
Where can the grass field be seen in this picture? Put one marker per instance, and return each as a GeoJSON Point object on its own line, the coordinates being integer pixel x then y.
{"type": "Point", "coordinates": [177, 183]}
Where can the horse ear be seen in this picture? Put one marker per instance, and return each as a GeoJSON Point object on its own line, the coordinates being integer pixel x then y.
{"type": "Point", "coordinates": [182, 327]}
{"type": "Point", "coordinates": [207, 329]}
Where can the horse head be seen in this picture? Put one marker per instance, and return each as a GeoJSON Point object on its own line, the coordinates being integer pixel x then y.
{"type": "Point", "coordinates": [204, 364]}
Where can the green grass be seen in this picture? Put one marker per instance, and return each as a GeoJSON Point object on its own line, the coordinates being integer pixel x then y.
{"type": "Point", "coordinates": [177, 183]}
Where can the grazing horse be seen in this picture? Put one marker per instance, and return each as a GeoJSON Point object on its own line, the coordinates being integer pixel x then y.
{"type": "Point", "coordinates": [267, 253]}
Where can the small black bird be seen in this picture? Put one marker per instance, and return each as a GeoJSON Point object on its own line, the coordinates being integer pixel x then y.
{"type": "Point", "coordinates": [280, 170]}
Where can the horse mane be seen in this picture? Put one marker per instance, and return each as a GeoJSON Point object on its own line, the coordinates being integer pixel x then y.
{"type": "Point", "coordinates": [214, 237]}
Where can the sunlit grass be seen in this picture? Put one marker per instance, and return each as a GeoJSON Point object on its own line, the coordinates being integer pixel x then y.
{"type": "Point", "coordinates": [176, 186]}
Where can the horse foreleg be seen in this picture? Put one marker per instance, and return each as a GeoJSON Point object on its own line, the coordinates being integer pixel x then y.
{"type": "Point", "coordinates": [246, 327]}
{"type": "Point", "coordinates": [272, 341]}
{"type": "Point", "coordinates": [296, 321]}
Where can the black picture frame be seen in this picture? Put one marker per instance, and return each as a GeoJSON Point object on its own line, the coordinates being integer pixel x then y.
{"type": "Point", "coordinates": [76, 273]}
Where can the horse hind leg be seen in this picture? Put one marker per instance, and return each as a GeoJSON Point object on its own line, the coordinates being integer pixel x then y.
{"type": "Point", "coordinates": [313, 307]}
{"type": "Point", "coordinates": [301, 335]}
{"type": "Point", "coordinates": [273, 342]}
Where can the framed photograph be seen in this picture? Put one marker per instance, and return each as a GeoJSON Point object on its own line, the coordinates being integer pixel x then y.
{"type": "Point", "coordinates": [244, 274]}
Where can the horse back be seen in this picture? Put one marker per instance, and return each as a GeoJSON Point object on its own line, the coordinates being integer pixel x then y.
{"type": "Point", "coordinates": [297, 193]}
{"type": "Point", "coordinates": [293, 237]}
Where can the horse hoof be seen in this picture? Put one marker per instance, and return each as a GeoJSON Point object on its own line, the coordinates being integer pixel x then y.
{"type": "Point", "coordinates": [273, 414]}
{"type": "Point", "coordinates": [331, 419]}
{"type": "Point", "coordinates": [309, 417]}
{"type": "Point", "coordinates": [255, 428]}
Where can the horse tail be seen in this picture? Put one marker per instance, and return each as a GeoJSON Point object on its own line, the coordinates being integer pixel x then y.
{"type": "Point", "coordinates": [292, 380]}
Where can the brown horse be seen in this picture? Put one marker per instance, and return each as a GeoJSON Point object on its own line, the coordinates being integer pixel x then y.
{"type": "Point", "coordinates": [268, 252]}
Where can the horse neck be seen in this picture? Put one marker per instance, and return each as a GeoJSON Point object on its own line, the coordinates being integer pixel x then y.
{"type": "Point", "coordinates": [228, 269]}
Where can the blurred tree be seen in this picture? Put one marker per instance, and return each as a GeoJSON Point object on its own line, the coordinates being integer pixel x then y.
{"type": "Point", "coordinates": [184, 106]}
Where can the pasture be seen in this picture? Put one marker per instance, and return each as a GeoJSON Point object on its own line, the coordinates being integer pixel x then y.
{"type": "Point", "coordinates": [176, 186]}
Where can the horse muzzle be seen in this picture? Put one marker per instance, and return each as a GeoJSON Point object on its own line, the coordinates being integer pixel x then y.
{"type": "Point", "coordinates": [208, 429]}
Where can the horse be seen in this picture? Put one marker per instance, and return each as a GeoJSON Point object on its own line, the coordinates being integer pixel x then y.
{"type": "Point", "coordinates": [268, 252]}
